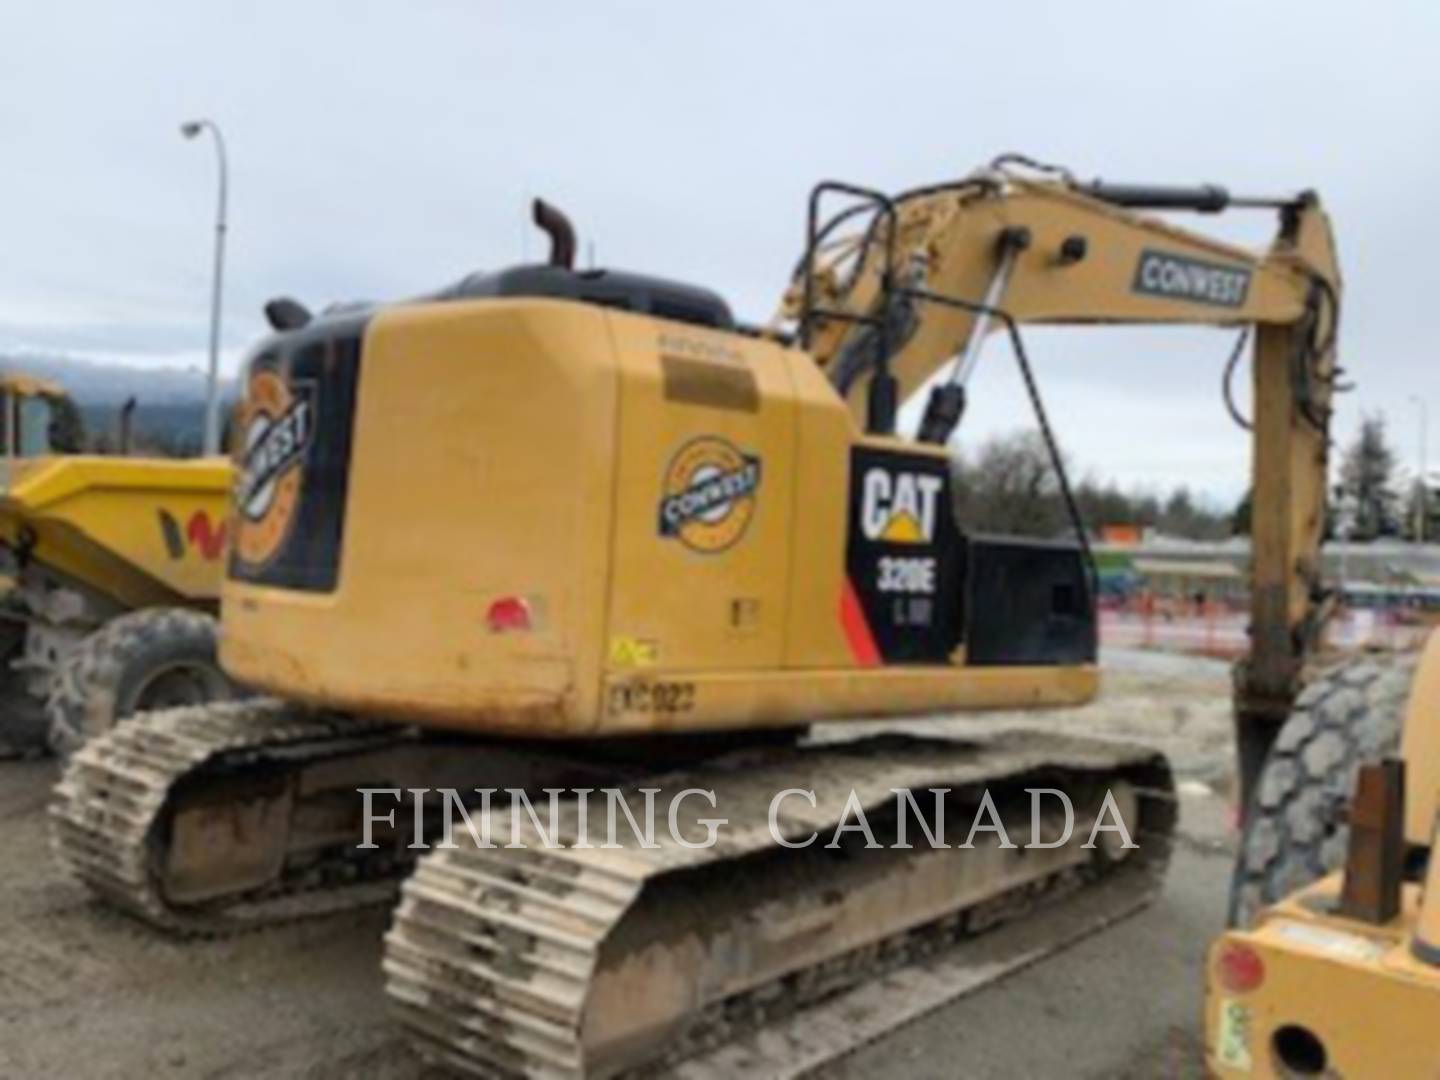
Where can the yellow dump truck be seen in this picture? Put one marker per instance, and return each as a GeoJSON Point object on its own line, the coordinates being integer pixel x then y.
{"type": "Point", "coordinates": [1340, 977]}
{"type": "Point", "coordinates": [114, 567]}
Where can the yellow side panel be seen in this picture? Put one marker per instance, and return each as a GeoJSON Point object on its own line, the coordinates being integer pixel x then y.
{"type": "Point", "coordinates": [703, 499]}
{"type": "Point", "coordinates": [813, 635]}
{"type": "Point", "coordinates": [1421, 747]}
{"type": "Point", "coordinates": [644, 701]}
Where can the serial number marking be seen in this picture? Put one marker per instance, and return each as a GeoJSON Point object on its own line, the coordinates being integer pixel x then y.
{"type": "Point", "coordinates": [906, 575]}
{"type": "Point", "coordinates": [653, 697]}
{"type": "Point", "coordinates": [912, 611]}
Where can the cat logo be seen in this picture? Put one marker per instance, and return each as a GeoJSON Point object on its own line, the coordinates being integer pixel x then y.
{"type": "Point", "coordinates": [899, 507]}
{"type": "Point", "coordinates": [276, 426]}
{"type": "Point", "coordinates": [709, 494]}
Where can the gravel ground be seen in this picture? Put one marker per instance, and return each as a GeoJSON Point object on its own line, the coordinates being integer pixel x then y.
{"type": "Point", "coordinates": [86, 992]}
{"type": "Point", "coordinates": [1124, 1004]}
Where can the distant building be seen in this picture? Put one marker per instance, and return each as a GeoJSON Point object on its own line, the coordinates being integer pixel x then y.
{"type": "Point", "coordinates": [1186, 579]}
{"type": "Point", "coordinates": [1123, 535]}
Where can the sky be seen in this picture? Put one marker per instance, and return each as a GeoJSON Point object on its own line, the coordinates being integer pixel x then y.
{"type": "Point", "coordinates": [378, 150]}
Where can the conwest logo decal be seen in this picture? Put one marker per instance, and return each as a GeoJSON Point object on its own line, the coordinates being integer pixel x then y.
{"type": "Point", "coordinates": [276, 428]}
{"type": "Point", "coordinates": [899, 507]}
{"type": "Point", "coordinates": [709, 494]}
{"type": "Point", "coordinates": [1179, 277]}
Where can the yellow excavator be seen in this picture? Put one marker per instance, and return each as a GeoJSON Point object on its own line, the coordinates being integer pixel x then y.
{"type": "Point", "coordinates": [580, 538]}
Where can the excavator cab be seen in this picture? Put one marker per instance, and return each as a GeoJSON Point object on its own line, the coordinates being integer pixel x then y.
{"type": "Point", "coordinates": [29, 409]}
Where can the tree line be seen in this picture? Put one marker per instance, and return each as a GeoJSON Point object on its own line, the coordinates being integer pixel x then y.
{"type": "Point", "coordinates": [1008, 485]}
{"type": "Point", "coordinates": [1375, 497]}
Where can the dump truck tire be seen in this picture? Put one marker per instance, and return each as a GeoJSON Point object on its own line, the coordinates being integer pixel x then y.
{"type": "Point", "coordinates": [149, 659]}
{"type": "Point", "coordinates": [1348, 715]}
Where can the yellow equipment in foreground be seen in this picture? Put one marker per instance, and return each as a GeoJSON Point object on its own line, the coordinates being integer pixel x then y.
{"type": "Point", "coordinates": [1342, 977]}
{"type": "Point", "coordinates": [115, 568]}
{"type": "Point", "coordinates": [585, 532]}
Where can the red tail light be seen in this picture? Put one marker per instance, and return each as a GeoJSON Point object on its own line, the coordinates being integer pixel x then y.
{"type": "Point", "coordinates": [1239, 968]}
{"type": "Point", "coordinates": [509, 613]}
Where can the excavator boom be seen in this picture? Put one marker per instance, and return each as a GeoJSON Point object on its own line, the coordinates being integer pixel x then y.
{"type": "Point", "coordinates": [896, 295]}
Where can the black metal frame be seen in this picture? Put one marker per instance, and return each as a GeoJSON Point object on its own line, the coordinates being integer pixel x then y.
{"type": "Point", "coordinates": [881, 405]}
{"type": "Point", "coordinates": [1032, 389]}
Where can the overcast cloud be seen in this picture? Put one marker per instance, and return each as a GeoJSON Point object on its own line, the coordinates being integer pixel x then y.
{"type": "Point", "coordinates": [380, 149]}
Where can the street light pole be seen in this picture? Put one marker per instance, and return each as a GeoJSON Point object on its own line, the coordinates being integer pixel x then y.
{"type": "Point", "coordinates": [191, 129]}
{"type": "Point", "coordinates": [1423, 512]}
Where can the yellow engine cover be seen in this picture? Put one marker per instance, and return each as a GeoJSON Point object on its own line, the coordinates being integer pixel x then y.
{"type": "Point", "coordinates": [538, 516]}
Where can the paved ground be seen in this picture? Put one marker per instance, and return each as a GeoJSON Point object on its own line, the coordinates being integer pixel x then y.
{"type": "Point", "coordinates": [85, 992]}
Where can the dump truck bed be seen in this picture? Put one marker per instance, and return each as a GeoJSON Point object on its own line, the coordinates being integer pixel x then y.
{"type": "Point", "coordinates": [143, 532]}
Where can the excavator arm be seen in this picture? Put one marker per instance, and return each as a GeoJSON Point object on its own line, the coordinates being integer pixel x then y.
{"type": "Point", "coordinates": [894, 293]}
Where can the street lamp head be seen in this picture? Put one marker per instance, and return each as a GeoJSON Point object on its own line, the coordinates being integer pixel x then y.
{"type": "Point", "coordinates": [191, 128]}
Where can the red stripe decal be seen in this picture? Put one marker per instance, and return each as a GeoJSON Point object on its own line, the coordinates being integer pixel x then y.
{"type": "Point", "coordinates": [857, 630]}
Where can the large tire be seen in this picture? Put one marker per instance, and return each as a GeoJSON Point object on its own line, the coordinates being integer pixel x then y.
{"type": "Point", "coordinates": [148, 659]}
{"type": "Point", "coordinates": [1350, 714]}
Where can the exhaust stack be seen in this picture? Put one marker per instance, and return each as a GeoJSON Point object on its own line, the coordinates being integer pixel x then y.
{"type": "Point", "coordinates": [562, 234]}
{"type": "Point", "coordinates": [125, 429]}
